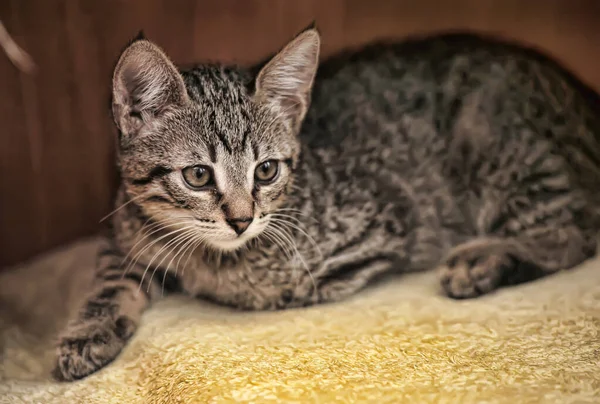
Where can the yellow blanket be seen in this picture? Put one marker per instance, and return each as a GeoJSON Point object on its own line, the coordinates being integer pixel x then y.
{"type": "Point", "coordinates": [399, 342]}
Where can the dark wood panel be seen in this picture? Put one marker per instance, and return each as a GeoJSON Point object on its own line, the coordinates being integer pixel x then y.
{"type": "Point", "coordinates": [56, 134]}
{"type": "Point", "coordinates": [22, 213]}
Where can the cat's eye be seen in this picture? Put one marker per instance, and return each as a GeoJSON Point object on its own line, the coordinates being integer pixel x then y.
{"type": "Point", "coordinates": [266, 172]}
{"type": "Point", "coordinates": [197, 177]}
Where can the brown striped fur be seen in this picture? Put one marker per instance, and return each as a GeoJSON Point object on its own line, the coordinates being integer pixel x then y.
{"type": "Point", "coordinates": [452, 151]}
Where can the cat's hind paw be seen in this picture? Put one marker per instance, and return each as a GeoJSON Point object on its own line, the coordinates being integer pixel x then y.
{"type": "Point", "coordinates": [470, 273]}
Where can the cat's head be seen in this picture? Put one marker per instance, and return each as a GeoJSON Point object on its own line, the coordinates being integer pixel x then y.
{"type": "Point", "coordinates": [211, 152]}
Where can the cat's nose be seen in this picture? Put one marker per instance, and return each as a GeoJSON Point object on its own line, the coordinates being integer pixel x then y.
{"type": "Point", "coordinates": [239, 224]}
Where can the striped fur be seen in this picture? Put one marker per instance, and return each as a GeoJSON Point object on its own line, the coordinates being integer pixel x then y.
{"type": "Point", "coordinates": [456, 152]}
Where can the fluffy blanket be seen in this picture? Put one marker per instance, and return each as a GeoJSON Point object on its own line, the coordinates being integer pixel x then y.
{"type": "Point", "coordinates": [400, 341]}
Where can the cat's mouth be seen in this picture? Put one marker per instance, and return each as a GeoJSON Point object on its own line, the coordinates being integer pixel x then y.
{"type": "Point", "coordinates": [234, 241]}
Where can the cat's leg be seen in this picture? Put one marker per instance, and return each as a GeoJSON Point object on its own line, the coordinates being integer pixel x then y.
{"type": "Point", "coordinates": [107, 320]}
{"type": "Point", "coordinates": [536, 241]}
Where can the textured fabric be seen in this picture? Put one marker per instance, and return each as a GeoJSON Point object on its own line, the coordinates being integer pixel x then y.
{"type": "Point", "coordinates": [400, 341]}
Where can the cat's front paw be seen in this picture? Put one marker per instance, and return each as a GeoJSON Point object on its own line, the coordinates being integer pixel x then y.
{"type": "Point", "coordinates": [471, 273]}
{"type": "Point", "coordinates": [89, 345]}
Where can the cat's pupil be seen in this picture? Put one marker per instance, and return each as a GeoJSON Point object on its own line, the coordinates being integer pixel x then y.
{"type": "Point", "coordinates": [199, 172]}
{"type": "Point", "coordinates": [266, 167]}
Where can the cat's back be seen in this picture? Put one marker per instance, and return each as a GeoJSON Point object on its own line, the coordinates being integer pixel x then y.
{"type": "Point", "coordinates": [430, 77]}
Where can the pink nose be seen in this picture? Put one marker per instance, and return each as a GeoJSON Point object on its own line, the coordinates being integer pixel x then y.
{"type": "Point", "coordinates": [240, 224]}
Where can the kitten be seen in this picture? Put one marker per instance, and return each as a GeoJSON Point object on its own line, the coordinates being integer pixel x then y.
{"type": "Point", "coordinates": [274, 187]}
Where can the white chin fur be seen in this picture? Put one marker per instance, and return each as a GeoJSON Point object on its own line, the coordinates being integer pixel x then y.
{"type": "Point", "coordinates": [235, 242]}
{"type": "Point", "coordinates": [229, 245]}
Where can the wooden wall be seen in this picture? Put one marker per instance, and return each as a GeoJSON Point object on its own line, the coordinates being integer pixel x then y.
{"type": "Point", "coordinates": [56, 140]}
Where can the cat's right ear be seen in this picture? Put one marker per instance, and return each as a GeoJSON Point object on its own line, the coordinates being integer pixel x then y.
{"type": "Point", "coordinates": [145, 85]}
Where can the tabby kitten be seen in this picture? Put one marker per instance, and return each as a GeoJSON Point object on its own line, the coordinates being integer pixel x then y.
{"type": "Point", "coordinates": [274, 187]}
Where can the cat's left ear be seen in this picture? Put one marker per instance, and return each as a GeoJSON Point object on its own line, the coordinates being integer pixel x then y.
{"type": "Point", "coordinates": [286, 81]}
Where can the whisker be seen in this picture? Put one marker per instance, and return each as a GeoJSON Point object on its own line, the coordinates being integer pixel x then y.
{"type": "Point", "coordinates": [185, 249]}
{"type": "Point", "coordinates": [184, 239]}
{"type": "Point", "coordinates": [161, 249]}
{"type": "Point", "coordinates": [152, 229]}
{"type": "Point", "coordinates": [166, 248]}
{"type": "Point", "coordinates": [147, 246]}
{"type": "Point", "coordinates": [196, 245]}
{"type": "Point", "coordinates": [297, 211]}
{"type": "Point", "coordinates": [140, 253]}
{"type": "Point", "coordinates": [193, 242]}
{"type": "Point", "coordinates": [297, 188]}
{"type": "Point", "coordinates": [298, 254]}
{"type": "Point", "coordinates": [285, 242]}
{"type": "Point", "coordinates": [270, 235]}
{"type": "Point", "coordinates": [286, 235]}
{"type": "Point", "coordinates": [123, 205]}
{"type": "Point", "coordinates": [278, 218]}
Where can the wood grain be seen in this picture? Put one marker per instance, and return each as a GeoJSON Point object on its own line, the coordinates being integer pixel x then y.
{"type": "Point", "coordinates": [56, 137]}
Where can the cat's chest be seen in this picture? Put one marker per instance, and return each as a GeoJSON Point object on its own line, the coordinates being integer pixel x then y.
{"type": "Point", "coordinates": [257, 281]}
{"type": "Point", "coordinates": [272, 276]}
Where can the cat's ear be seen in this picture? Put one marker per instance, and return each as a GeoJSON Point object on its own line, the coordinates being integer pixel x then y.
{"type": "Point", "coordinates": [145, 85]}
{"type": "Point", "coordinates": [286, 80]}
